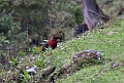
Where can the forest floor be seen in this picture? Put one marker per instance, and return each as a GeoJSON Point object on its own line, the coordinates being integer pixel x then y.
{"type": "Point", "coordinates": [109, 41]}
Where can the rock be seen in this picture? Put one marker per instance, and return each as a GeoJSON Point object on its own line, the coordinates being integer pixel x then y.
{"type": "Point", "coordinates": [86, 56]}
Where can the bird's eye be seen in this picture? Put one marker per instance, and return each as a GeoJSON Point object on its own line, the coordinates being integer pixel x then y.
{"type": "Point", "coordinates": [55, 39]}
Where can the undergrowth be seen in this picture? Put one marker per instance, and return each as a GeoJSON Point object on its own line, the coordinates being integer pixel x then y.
{"type": "Point", "coordinates": [109, 41]}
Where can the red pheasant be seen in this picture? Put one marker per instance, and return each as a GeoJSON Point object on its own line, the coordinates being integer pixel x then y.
{"type": "Point", "coordinates": [51, 43]}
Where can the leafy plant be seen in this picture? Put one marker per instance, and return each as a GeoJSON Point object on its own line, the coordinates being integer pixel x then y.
{"type": "Point", "coordinates": [14, 61]}
{"type": "Point", "coordinates": [21, 53]}
{"type": "Point", "coordinates": [32, 50]}
{"type": "Point", "coordinates": [24, 77]}
{"type": "Point", "coordinates": [35, 50]}
{"type": "Point", "coordinates": [40, 63]}
{"type": "Point", "coordinates": [6, 22]}
{"type": "Point", "coordinates": [3, 41]}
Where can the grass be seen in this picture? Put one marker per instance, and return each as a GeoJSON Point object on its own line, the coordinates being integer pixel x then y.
{"type": "Point", "coordinates": [110, 42]}
{"type": "Point", "coordinates": [111, 46]}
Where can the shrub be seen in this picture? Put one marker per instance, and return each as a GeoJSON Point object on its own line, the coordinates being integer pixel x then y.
{"type": "Point", "coordinates": [6, 22]}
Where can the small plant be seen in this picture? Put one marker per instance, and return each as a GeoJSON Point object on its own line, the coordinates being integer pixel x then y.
{"type": "Point", "coordinates": [21, 53]}
{"type": "Point", "coordinates": [24, 77]}
{"type": "Point", "coordinates": [35, 50]}
{"type": "Point", "coordinates": [32, 50]}
{"type": "Point", "coordinates": [14, 61]}
{"type": "Point", "coordinates": [3, 41]}
{"type": "Point", "coordinates": [40, 63]}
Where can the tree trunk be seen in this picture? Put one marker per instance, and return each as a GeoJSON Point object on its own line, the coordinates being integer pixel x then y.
{"type": "Point", "coordinates": [92, 13]}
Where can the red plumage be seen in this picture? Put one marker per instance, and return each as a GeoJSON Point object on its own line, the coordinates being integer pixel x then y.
{"type": "Point", "coordinates": [51, 43]}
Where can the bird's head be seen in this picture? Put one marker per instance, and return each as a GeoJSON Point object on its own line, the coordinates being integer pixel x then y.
{"type": "Point", "coordinates": [55, 39]}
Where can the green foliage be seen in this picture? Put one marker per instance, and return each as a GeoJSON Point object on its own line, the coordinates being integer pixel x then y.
{"type": "Point", "coordinates": [5, 5]}
{"type": "Point", "coordinates": [35, 50]}
{"type": "Point", "coordinates": [6, 22]}
{"type": "Point", "coordinates": [22, 53]}
{"type": "Point", "coordinates": [25, 77]}
{"type": "Point", "coordinates": [78, 14]}
{"type": "Point", "coordinates": [109, 41]}
{"type": "Point", "coordinates": [3, 41]}
{"type": "Point", "coordinates": [6, 18]}
{"type": "Point", "coordinates": [14, 62]}
{"type": "Point", "coordinates": [34, 16]}
{"type": "Point", "coordinates": [40, 63]}
{"type": "Point", "coordinates": [106, 43]}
